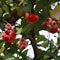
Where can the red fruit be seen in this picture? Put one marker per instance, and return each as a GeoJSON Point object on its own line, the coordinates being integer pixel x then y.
{"type": "Point", "coordinates": [13, 28]}
{"type": "Point", "coordinates": [33, 18]}
{"type": "Point", "coordinates": [22, 44]}
{"type": "Point", "coordinates": [54, 30]}
{"type": "Point", "coordinates": [12, 35]}
{"type": "Point", "coordinates": [8, 26]}
{"type": "Point", "coordinates": [7, 32]}
{"type": "Point", "coordinates": [48, 26]}
{"type": "Point", "coordinates": [54, 24]}
{"type": "Point", "coordinates": [26, 15]}
{"type": "Point", "coordinates": [23, 47]}
{"type": "Point", "coordinates": [44, 24]}
{"type": "Point", "coordinates": [5, 37]}
{"type": "Point", "coordinates": [9, 41]}
{"type": "Point", "coordinates": [22, 39]}
{"type": "Point", "coordinates": [48, 20]}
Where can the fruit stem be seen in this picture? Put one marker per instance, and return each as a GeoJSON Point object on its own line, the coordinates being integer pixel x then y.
{"type": "Point", "coordinates": [34, 45]}
{"type": "Point", "coordinates": [32, 37]}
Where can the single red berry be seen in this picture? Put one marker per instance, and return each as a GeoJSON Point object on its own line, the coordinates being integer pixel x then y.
{"type": "Point", "coordinates": [22, 39]}
{"type": "Point", "coordinates": [9, 41]}
{"type": "Point", "coordinates": [54, 24]}
{"type": "Point", "coordinates": [12, 35]}
{"type": "Point", "coordinates": [54, 30]}
{"type": "Point", "coordinates": [22, 47]}
{"type": "Point", "coordinates": [44, 24]}
{"type": "Point", "coordinates": [26, 15]}
{"type": "Point", "coordinates": [5, 37]}
{"type": "Point", "coordinates": [8, 26]}
{"type": "Point", "coordinates": [36, 18]}
{"type": "Point", "coordinates": [7, 31]}
{"type": "Point", "coordinates": [48, 20]}
{"type": "Point", "coordinates": [33, 18]}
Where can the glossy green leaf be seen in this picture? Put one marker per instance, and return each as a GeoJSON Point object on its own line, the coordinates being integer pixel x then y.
{"type": "Point", "coordinates": [41, 38]}
{"type": "Point", "coordinates": [26, 29]}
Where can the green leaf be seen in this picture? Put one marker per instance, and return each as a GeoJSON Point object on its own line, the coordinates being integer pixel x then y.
{"type": "Point", "coordinates": [40, 38]}
{"type": "Point", "coordinates": [23, 23]}
{"type": "Point", "coordinates": [1, 44]}
{"type": "Point", "coordinates": [6, 16]}
{"type": "Point", "coordinates": [2, 1]}
{"type": "Point", "coordinates": [27, 7]}
{"type": "Point", "coordinates": [5, 8]}
{"type": "Point", "coordinates": [19, 11]}
{"type": "Point", "coordinates": [18, 30]}
{"type": "Point", "coordinates": [8, 56]}
{"type": "Point", "coordinates": [1, 50]}
{"type": "Point", "coordinates": [13, 48]}
{"type": "Point", "coordinates": [11, 58]}
{"type": "Point", "coordinates": [1, 10]}
{"type": "Point", "coordinates": [26, 29]}
{"type": "Point", "coordinates": [45, 44]}
{"type": "Point", "coordinates": [46, 57]}
{"type": "Point", "coordinates": [58, 42]}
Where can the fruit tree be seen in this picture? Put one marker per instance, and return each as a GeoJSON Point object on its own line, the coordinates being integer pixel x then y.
{"type": "Point", "coordinates": [33, 16]}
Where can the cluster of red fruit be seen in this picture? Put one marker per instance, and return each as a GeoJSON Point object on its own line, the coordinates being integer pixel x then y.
{"type": "Point", "coordinates": [31, 18]}
{"type": "Point", "coordinates": [51, 25]}
{"type": "Point", "coordinates": [22, 44]}
{"type": "Point", "coordinates": [9, 34]}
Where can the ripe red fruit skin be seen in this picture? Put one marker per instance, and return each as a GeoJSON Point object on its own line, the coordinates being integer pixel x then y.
{"type": "Point", "coordinates": [12, 35]}
{"type": "Point", "coordinates": [22, 39]}
{"type": "Point", "coordinates": [8, 26]}
{"type": "Point", "coordinates": [7, 31]}
{"type": "Point", "coordinates": [9, 41]}
{"type": "Point", "coordinates": [9, 34]}
{"type": "Point", "coordinates": [54, 30]}
{"type": "Point", "coordinates": [26, 15]}
{"type": "Point", "coordinates": [22, 44]}
{"type": "Point", "coordinates": [9, 37]}
{"type": "Point", "coordinates": [33, 18]}
{"type": "Point", "coordinates": [44, 24]}
{"type": "Point", "coordinates": [54, 24]}
{"type": "Point", "coordinates": [5, 37]}
{"type": "Point", "coordinates": [13, 28]}
{"type": "Point", "coordinates": [48, 20]}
